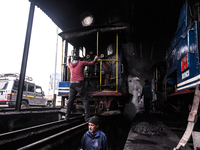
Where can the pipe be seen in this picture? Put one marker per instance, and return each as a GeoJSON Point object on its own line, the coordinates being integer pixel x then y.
{"type": "Point", "coordinates": [109, 60]}
{"type": "Point", "coordinates": [100, 73]}
{"type": "Point", "coordinates": [25, 56]}
{"type": "Point", "coordinates": [100, 60]}
{"type": "Point", "coordinates": [97, 43]}
{"type": "Point", "coordinates": [117, 62]}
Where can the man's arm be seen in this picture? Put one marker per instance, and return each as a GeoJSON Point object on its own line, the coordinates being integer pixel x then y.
{"type": "Point", "coordinates": [82, 143]}
{"type": "Point", "coordinates": [69, 59]}
{"type": "Point", "coordinates": [105, 144]}
{"type": "Point", "coordinates": [92, 62]}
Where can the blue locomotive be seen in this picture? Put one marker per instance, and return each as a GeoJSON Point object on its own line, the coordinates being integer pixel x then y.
{"type": "Point", "coordinates": [182, 57]}
{"type": "Point", "coordinates": [176, 78]}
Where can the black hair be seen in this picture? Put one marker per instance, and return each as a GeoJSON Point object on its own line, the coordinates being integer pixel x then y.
{"type": "Point", "coordinates": [77, 58]}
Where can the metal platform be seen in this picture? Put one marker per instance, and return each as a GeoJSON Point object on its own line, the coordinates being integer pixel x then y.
{"type": "Point", "coordinates": [14, 120]}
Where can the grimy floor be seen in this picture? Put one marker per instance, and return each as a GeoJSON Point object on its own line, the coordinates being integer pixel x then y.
{"type": "Point", "coordinates": [149, 134]}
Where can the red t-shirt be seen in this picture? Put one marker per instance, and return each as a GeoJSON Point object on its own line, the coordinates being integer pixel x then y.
{"type": "Point", "coordinates": [77, 70]}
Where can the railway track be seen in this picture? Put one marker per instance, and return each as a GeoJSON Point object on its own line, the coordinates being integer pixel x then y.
{"type": "Point", "coordinates": [45, 136]}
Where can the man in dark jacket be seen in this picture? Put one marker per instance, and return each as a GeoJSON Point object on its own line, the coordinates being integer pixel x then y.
{"type": "Point", "coordinates": [146, 91]}
{"type": "Point", "coordinates": [94, 139]}
{"type": "Point", "coordinates": [77, 85]}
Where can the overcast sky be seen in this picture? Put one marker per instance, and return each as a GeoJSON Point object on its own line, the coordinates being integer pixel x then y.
{"type": "Point", "coordinates": [41, 59]}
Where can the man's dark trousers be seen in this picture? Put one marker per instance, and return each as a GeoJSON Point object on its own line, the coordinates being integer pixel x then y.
{"type": "Point", "coordinates": [147, 102]}
{"type": "Point", "coordinates": [74, 89]}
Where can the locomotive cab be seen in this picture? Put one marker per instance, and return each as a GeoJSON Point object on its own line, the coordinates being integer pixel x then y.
{"type": "Point", "coordinates": [105, 82]}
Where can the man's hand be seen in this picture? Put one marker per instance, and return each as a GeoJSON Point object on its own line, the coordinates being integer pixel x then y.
{"type": "Point", "coordinates": [92, 62]}
{"type": "Point", "coordinates": [69, 59]}
{"type": "Point", "coordinates": [96, 57]}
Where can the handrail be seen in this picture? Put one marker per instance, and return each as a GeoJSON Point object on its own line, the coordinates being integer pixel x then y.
{"type": "Point", "coordinates": [117, 38]}
{"type": "Point", "coordinates": [100, 74]}
{"type": "Point", "coordinates": [107, 60]}
{"type": "Point", "coordinates": [97, 43]}
{"type": "Point", "coordinates": [116, 60]}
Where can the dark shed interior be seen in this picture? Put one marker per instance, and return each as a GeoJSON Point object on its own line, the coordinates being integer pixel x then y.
{"type": "Point", "coordinates": [150, 25]}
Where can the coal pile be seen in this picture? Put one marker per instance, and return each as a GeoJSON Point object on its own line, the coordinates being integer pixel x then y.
{"type": "Point", "coordinates": [145, 128]}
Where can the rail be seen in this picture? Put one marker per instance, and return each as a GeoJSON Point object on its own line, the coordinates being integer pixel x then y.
{"type": "Point", "coordinates": [39, 136]}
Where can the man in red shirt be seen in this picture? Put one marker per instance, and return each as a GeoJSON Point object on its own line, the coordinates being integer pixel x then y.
{"type": "Point", "coordinates": [77, 85]}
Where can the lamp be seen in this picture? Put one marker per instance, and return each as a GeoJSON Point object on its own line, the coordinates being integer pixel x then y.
{"type": "Point", "coordinates": [86, 19]}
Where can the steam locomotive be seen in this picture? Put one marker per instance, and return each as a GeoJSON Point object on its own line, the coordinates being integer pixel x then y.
{"type": "Point", "coordinates": [175, 78]}
{"type": "Point", "coordinates": [106, 81]}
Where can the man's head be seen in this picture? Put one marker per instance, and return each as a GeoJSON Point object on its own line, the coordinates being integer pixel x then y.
{"type": "Point", "coordinates": [93, 124]}
{"type": "Point", "coordinates": [146, 82]}
{"type": "Point", "coordinates": [77, 58]}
